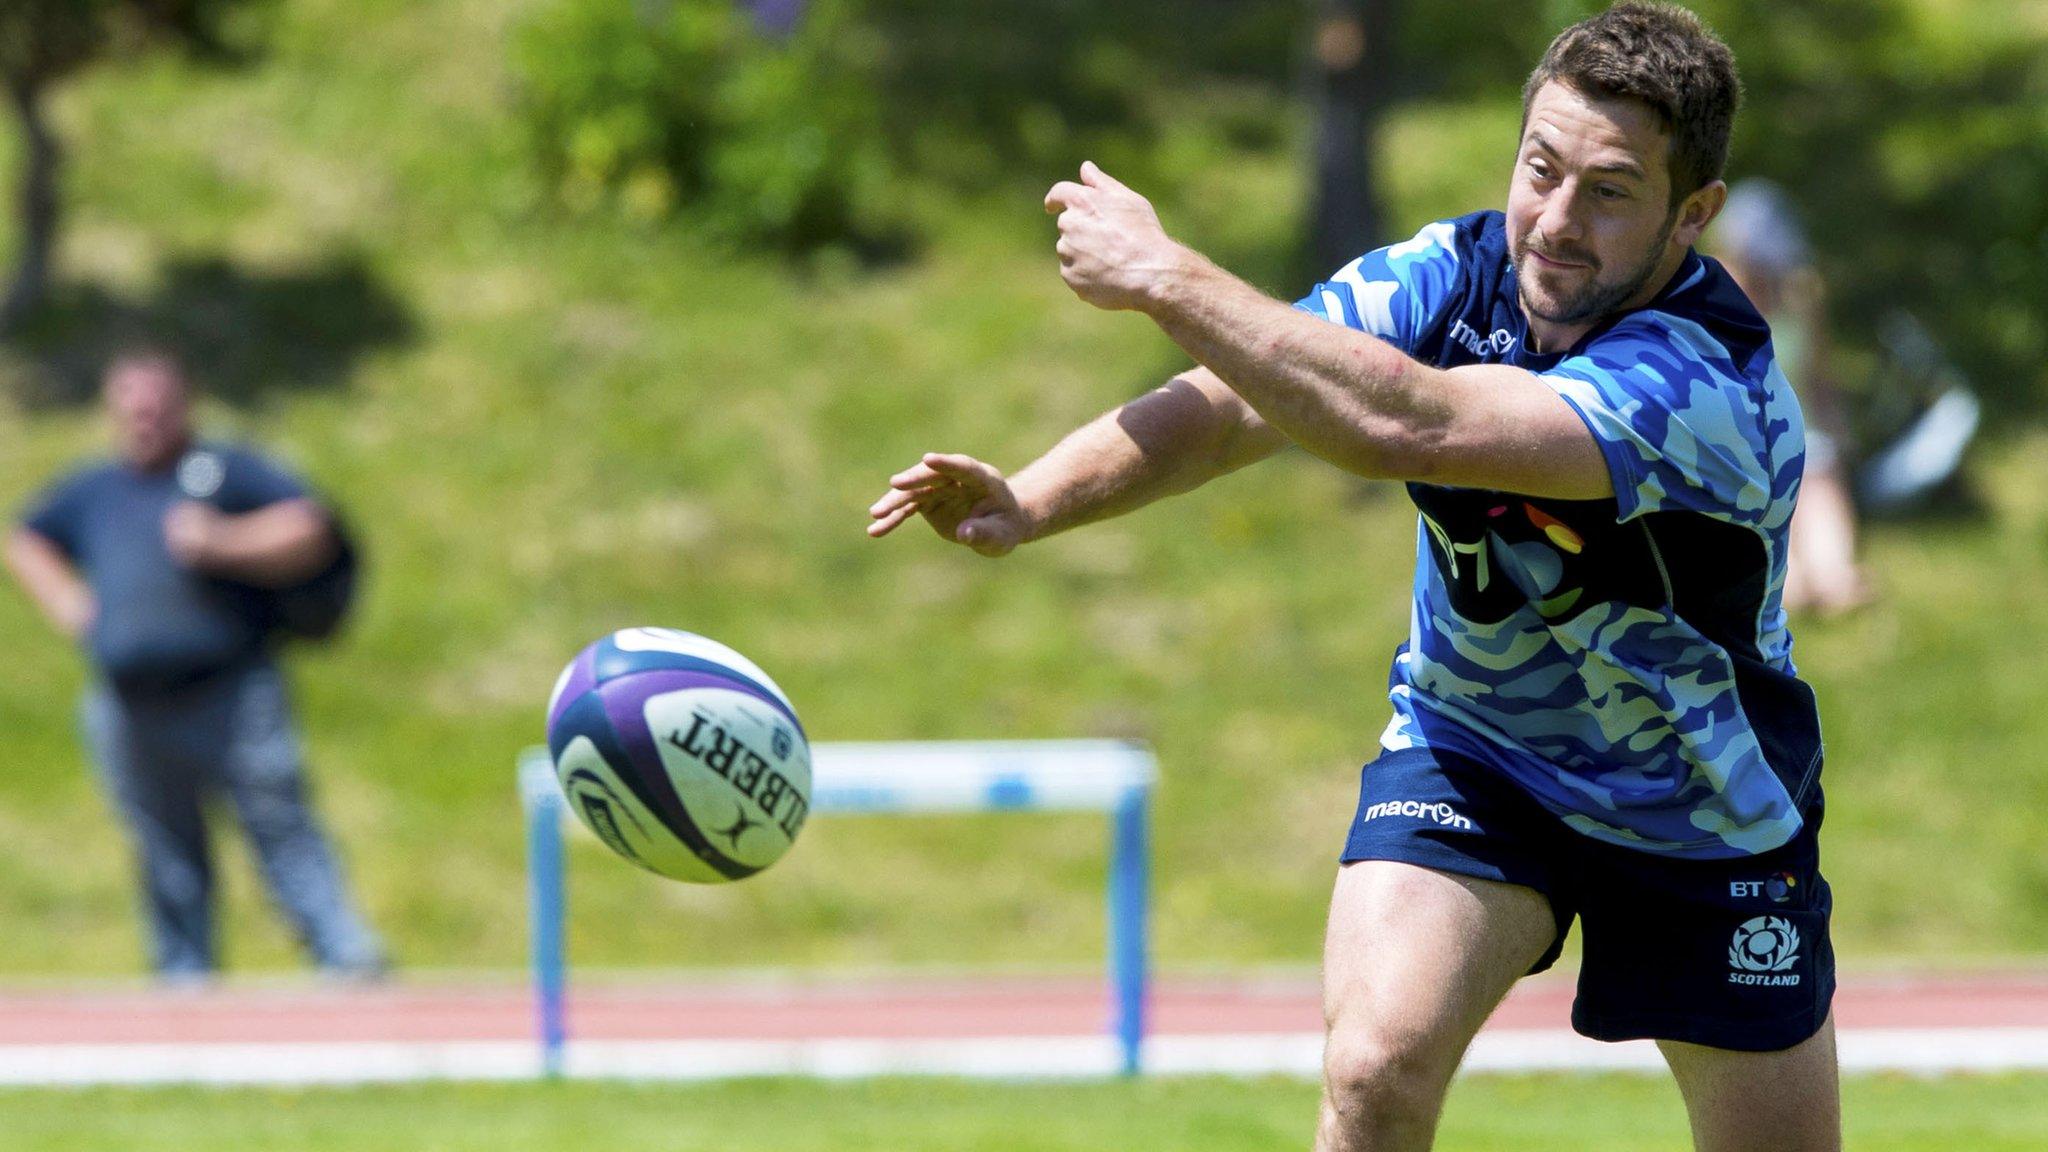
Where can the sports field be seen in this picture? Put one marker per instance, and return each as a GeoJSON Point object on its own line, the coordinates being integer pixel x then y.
{"type": "Point", "coordinates": [1526, 1114]}
{"type": "Point", "coordinates": [548, 425]}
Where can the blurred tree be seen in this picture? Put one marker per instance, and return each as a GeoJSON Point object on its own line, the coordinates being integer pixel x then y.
{"type": "Point", "coordinates": [1352, 83]}
{"type": "Point", "coordinates": [978, 93]}
{"type": "Point", "coordinates": [760, 119]}
{"type": "Point", "coordinates": [1915, 138]}
{"type": "Point", "coordinates": [1914, 133]}
{"type": "Point", "coordinates": [42, 44]}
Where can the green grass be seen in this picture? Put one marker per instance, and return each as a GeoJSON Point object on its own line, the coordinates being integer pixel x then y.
{"type": "Point", "coordinates": [1510, 1114]}
{"type": "Point", "coordinates": [594, 425]}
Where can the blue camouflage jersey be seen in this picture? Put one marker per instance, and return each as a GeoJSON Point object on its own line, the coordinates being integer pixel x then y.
{"type": "Point", "coordinates": [1624, 660]}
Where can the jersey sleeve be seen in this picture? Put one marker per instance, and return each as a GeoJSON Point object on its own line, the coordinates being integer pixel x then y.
{"type": "Point", "coordinates": [1680, 427]}
{"type": "Point", "coordinates": [1392, 292]}
{"type": "Point", "coordinates": [255, 481]}
{"type": "Point", "coordinates": [57, 513]}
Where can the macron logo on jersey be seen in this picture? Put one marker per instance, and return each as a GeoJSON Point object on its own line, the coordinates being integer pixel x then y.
{"type": "Point", "coordinates": [1498, 344]}
{"type": "Point", "coordinates": [1442, 814]}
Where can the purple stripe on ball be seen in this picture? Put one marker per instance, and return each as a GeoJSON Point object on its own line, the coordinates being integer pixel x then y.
{"type": "Point", "coordinates": [712, 676]}
{"type": "Point", "coordinates": [611, 661]}
{"type": "Point", "coordinates": [625, 705]}
{"type": "Point", "coordinates": [582, 678]}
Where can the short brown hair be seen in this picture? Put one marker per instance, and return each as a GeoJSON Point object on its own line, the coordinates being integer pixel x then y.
{"type": "Point", "coordinates": [1664, 56]}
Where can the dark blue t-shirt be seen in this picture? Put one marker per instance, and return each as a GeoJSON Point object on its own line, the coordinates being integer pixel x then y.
{"type": "Point", "coordinates": [160, 624]}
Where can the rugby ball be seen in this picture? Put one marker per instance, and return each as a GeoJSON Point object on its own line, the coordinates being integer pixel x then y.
{"type": "Point", "coordinates": [680, 754]}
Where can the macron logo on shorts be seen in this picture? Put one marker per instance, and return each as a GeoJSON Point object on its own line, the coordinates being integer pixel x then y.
{"type": "Point", "coordinates": [1442, 814]}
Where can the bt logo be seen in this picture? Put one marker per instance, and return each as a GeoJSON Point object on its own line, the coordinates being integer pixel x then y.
{"type": "Point", "coordinates": [1777, 887]}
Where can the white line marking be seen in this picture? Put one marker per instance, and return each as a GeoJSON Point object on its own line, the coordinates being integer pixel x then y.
{"type": "Point", "coordinates": [1917, 1050]}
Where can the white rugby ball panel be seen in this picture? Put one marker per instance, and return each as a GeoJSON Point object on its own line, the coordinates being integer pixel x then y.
{"type": "Point", "coordinates": [700, 647]}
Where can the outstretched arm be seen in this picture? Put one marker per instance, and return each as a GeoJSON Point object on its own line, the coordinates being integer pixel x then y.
{"type": "Point", "coordinates": [1167, 441]}
{"type": "Point", "coordinates": [1342, 394]}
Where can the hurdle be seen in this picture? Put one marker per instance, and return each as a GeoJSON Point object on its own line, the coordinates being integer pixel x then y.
{"type": "Point", "coordinates": [905, 778]}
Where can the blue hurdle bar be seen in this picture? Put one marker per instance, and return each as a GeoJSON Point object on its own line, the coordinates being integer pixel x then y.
{"type": "Point", "coordinates": [548, 903]}
{"type": "Point", "coordinates": [1127, 919]}
{"type": "Point", "coordinates": [1110, 776]}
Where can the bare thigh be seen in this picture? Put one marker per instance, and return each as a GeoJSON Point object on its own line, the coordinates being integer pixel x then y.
{"type": "Point", "coordinates": [1787, 1101]}
{"type": "Point", "coordinates": [1414, 962]}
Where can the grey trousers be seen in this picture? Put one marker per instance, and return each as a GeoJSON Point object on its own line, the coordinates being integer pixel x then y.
{"type": "Point", "coordinates": [163, 757]}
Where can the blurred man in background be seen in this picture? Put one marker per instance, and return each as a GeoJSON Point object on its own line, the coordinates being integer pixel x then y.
{"type": "Point", "coordinates": [1760, 242]}
{"type": "Point", "coordinates": [160, 564]}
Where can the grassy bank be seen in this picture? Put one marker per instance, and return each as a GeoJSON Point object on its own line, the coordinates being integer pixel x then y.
{"type": "Point", "coordinates": [548, 428]}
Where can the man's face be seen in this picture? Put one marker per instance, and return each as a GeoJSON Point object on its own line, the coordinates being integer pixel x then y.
{"type": "Point", "coordinates": [1590, 219]}
{"type": "Point", "coordinates": [146, 399]}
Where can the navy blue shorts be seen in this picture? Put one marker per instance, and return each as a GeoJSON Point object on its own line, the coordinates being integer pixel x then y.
{"type": "Point", "coordinates": [1726, 953]}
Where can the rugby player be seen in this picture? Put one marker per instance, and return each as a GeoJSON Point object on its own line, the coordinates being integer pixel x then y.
{"type": "Point", "coordinates": [1595, 714]}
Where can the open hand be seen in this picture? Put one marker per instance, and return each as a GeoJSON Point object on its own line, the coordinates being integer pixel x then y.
{"type": "Point", "coordinates": [963, 499]}
{"type": "Point", "coordinates": [1113, 252]}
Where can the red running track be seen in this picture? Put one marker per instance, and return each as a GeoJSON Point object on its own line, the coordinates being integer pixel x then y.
{"type": "Point", "coordinates": [697, 1008]}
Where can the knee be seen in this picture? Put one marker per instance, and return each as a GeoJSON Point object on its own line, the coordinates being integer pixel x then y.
{"type": "Point", "coordinates": [1378, 1082]}
{"type": "Point", "coordinates": [272, 806]}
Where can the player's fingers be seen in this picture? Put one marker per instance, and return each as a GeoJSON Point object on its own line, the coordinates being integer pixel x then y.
{"type": "Point", "coordinates": [1064, 195]}
{"type": "Point", "coordinates": [887, 524]}
{"type": "Point", "coordinates": [923, 487]}
{"type": "Point", "coordinates": [892, 500]}
{"type": "Point", "coordinates": [1094, 177]}
{"type": "Point", "coordinates": [916, 475]}
{"type": "Point", "coordinates": [962, 468]}
{"type": "Point", "coordinates": [971, 480]}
